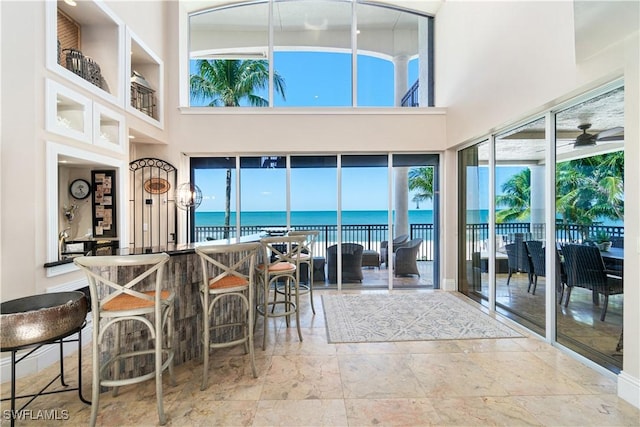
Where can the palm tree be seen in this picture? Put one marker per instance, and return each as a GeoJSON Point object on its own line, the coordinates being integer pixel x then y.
{"type": "Point", "coordinates": [228, 82]}
{"type": "Point", "coordinates": [516, 198]}
{"type": "Point", "coordinates": [421, 179]}
{"type": "Point", "coordinates": [591, 188]}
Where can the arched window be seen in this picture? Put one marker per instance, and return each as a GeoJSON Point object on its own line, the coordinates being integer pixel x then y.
{"type": "Point", "coordinates": [310, 53]}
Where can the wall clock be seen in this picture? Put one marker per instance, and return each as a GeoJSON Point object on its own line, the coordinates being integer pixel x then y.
{"type": "Point", "coordinates": [80, 189]}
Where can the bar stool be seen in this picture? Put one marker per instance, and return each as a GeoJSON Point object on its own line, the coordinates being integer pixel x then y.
{"type": "Point", "coordinates": [115, 302]}
{"type": "Point", "coordinates": [281, 263]}
{"type": "Point", "coordinates": [306, 258]}
{"type": "Point", "coordinates": [227, 274]}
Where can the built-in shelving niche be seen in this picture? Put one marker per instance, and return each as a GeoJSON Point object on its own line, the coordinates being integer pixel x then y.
{"type": "Point", "coordinates": [85, 45]}
{"type": "Point", "coordinates": [152, 206]}
{"type": "Point", "coordinates": [75, 116]}
{"type": "Point", "coordinates": [145, 71]}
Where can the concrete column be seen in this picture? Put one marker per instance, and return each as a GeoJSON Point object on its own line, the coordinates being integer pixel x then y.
{"type": "Point", "coordinates": [401, 76]}
{"type": "Point", "coordinates": [537, 200]}
{"type": "Point", "coordinates": [401, 200]}
{"type": "Point", "coordinates": [423, 55]}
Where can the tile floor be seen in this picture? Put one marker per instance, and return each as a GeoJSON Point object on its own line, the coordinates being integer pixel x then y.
{"type": "Point", "coordinates": [509, 382]}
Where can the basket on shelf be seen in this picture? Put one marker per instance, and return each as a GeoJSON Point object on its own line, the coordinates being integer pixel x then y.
{"type": "Point", "coordinates": [143, 97]}
{"type": "Point", "coordinates": [84, 67]}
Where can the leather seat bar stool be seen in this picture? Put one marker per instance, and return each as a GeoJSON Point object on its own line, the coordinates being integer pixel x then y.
{"type": "Point", "coordinates": [228, 280]}
{"type": "Point", "coordinates": [280, 264]}
{"type": "Point", "coordinates": [125, 303]}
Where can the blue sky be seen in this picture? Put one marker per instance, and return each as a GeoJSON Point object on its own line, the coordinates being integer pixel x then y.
{"type": "Point", "coordinates": [311, 189]}
{"type": "Point", "coordinates": [323, 79]}
{"type": "Point", "coordinates": [316, 79]}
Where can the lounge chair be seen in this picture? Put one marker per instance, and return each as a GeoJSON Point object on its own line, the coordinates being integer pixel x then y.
{"type": "Point", "coordinates": [384, 247]}
{"type": "Point", "coordinates": [351, 262]}
{"type": "Point", "coordinates": [405, 258]}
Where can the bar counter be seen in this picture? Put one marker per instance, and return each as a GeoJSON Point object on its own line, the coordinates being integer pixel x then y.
{"type": "Point", "coordinates": [182, 275]}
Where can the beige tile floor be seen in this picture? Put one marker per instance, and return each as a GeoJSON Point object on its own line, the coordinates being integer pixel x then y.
{"type": "Point", "coordinates": [508, 382]}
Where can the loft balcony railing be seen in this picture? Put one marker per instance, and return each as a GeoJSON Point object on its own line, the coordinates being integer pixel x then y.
{"type": "Point", "coordinates": [368, 235]}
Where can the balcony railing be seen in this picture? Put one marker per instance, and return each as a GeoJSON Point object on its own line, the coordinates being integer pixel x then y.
{"type": "Point", "coordinates": [478, 234]}
{"type": "Point", "coordinates": [368, 235]}
{"type": "Point", "coordinates": [410, 99]}
{"type": "Point", "coordinates": [371, 235]}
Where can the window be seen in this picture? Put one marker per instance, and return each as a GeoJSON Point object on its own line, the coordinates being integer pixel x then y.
{"type": "Point", "coordinates": [309, 60]}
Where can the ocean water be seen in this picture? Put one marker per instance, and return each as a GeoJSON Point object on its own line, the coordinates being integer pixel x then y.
{"type": "Point", "coordinates": [279, 218]}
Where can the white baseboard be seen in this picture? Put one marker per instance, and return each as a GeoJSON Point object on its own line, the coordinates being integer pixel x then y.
{"type": "Point", "coordinates": [48, 354]}
{"type": "Point", "coordinates": [629, 389]}
{"type": "Point", "coordinates": [449, 285]}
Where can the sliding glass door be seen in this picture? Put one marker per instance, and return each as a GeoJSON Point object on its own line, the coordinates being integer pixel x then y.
{"type": "Point", "coordinates": [558, 273]}
{"type": "Point", "coordinates": [377, 215]}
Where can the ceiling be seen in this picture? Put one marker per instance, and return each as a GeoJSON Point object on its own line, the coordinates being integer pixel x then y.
{"type": "Point", "coordinates": [526, 143]}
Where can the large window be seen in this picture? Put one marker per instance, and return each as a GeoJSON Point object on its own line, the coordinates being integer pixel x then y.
{"type": "Point", "coordinates": [308, 62]}
{"type": "Point", "coordinates": [332, 194]}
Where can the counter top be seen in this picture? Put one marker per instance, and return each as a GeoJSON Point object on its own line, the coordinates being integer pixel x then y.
{"type": "Point", "coordinates": [172, 249]}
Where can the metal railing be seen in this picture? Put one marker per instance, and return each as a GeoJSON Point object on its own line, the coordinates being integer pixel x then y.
{"type": "Point", "coordinates": [368, 235]}
{"type": "Point", "coordinates": [410, 99]}
{"type": "Point", "coordinates": [478, 234]}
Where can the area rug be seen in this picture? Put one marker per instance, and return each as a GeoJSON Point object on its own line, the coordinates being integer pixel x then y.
{"type": "Point", "coordinates": [407, 317]}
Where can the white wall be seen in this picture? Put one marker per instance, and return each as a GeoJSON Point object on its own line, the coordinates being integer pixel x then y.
{"type": "Point", "coordinates": [499, 62]}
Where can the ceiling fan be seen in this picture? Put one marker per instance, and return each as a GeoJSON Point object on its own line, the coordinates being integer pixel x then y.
{"type": "Point", "coordinates": [587, 139]}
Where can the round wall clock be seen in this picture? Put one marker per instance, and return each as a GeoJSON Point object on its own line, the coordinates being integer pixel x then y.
{"type": "Point", "coordinates": [80, 189]}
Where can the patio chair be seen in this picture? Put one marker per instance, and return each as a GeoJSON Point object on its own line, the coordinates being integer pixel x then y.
{"type": "Point", "coordinates": [536, 254]}
{"type": "Point", "coordinates": [384, 247]}
{"type": "Point", "coordinates": [519, 261]}
{"type": "Point", "coordinates": [405, 258]}
{"type": "Point", "coordinates": [585, 269]}
{"type": "Point", "coordinates": [351, 262]}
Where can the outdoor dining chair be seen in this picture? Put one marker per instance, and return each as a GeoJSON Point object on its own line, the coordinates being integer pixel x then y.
{"type": "Point", "coordinates": [585, 269]}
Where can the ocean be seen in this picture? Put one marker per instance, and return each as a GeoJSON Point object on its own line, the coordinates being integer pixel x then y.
{"type": "Point", "coordinates": [279, 218]}
{"type": "Point", "coordinates": [298, 218]}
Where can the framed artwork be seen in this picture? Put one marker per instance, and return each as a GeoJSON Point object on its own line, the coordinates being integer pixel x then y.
{"type": "Point", "coordinates": [104, 203]}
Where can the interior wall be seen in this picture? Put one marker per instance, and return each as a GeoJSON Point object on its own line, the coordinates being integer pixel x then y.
{"type": "Point", "coordinates": [516, 58]}
{"type": "Point", "coordinates": [22, 168]}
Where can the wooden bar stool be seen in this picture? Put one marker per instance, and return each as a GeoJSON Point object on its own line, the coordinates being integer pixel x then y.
{"type": "Point", "coordinates": [118, 304]}
{"type": "Point", "coordinates": [280, 264]}
{"type": "Point", "coordinates": [228, 274]}
{"type": "Point", "coordinates": [306, 257]}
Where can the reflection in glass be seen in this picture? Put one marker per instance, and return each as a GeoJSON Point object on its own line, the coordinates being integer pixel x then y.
{"type": "Point", "coordinates": [474, 221]}
{"type": "Point", "coordinates": [590, 210]}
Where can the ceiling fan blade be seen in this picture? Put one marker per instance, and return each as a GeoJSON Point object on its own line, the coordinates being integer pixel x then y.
{"type": "Point", "coordinates": [613, 134]}
{"type": "Point", "coordinates": [540, 134]}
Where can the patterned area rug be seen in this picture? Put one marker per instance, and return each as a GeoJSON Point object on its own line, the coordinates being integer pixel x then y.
{"type": "Point", "coordinates": [407, 317]}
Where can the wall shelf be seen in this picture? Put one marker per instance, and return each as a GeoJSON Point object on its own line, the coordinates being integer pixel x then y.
{"type": "Point", "coordinates": [100, 42]}
{"type": "Point", "coordinates": [144, 96]}
{"type": "Point", "coordinates": [68, 113]}
{"type": "Point", "coordinates": [109, 129]}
